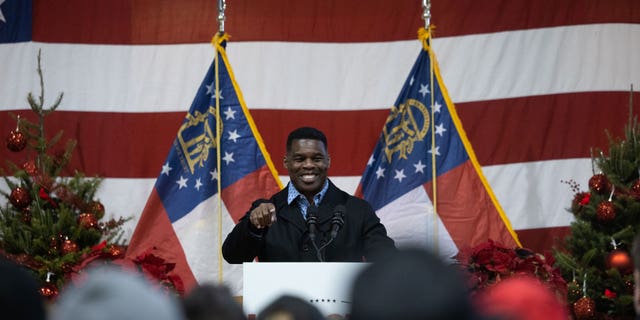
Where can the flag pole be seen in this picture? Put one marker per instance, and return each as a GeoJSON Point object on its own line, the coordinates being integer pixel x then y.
{"type": "Point", "coordinates": [222, 5]}
{"type": "Point", "coordinates": [426, 15]}
{"type": "Point", "coordinates": [216, 43]}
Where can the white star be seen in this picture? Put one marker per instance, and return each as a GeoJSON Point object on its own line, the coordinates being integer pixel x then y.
{"type": "Point", "coordinates": [228, 157]}
{"type": "Point", "coordinates": [1, 15]}
{"type": "Point", "coordinates": [380, 173]}
{"type": "Point", "coordinates": [214, 174]}
{"type": "Point", "coordinates": [437, 151]}
{"type": "Point", "coordinates": [233, 135]}
{"type": "Point", "coordinates": [400, 175]}
{"type": "Point", "coordinates": [440, 129]}
{"type": "Point", "coordinates": [371, 160]}
{"type": "Point", "coordinates": [424, 89]}
{"type": "Point", "coordinates": [230, 114]}
{"type": "Point", "coordinates": [198, 184]}
{"type": "Point", "coordinates": [165, 168]}
{"type": "Point", "coordinates": [216, 95]}
{"type": "Point", "coordinates": [419, 167]}
{"type": "Point", "coordinates": [436, 107]}
{"type": "Point", "coordinates": [411, 81]}
{"type": "Point", "coordinates": [182, 183]}
{"type": "Point", "coordinates": [210, 88]}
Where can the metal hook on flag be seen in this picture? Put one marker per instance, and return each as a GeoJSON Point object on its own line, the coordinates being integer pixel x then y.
{"type": "Point", "coordinates": [426, 13]}
{"type": "Point", "coordinates": [222, 5]}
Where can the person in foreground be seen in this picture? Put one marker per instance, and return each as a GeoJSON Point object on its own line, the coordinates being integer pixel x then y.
{"type": "Point", "coordinates": [109, 293]}
{"type": "Point", "coordinates": [310, 219]}
{"type": "Point", "coordinates": [521, 298]}
{"type": "Point", "coordinates": [19, 293]}
{"type": "Point", "coordinates": [288, 307]}
{"type": "Point", "coordinates": [411, 284]}
{"type": "Point", "coordinates": [636, 274]}
{"type": "Point", "coordinates": [210, 301]}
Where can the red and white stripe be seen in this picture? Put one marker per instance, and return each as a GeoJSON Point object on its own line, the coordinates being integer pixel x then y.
{"type": "Point", "coordinates": [535, 84]}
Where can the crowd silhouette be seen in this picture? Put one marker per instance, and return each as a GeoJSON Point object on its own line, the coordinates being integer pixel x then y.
{"type": "Point", "coordinates": [408, 284]}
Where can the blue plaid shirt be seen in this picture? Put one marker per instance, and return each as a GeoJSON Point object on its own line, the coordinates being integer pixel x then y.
{"type": "Point", "coordinates": [303, 203]}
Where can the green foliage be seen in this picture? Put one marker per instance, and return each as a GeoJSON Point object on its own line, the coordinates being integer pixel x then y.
{"type": "Point", "coordinates": [59, 228]}
{"type": "Point", "coordinates": [586, 259]}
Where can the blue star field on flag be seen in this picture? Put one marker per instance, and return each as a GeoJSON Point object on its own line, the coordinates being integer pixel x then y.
{"type": "Point", "coordinates": [189, 175]}
{"type": "Point", "coordinates": [402, 158]}
{"type": "Point", "coordinates": [15, 20]}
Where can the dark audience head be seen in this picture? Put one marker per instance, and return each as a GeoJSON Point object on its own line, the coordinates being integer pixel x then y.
{"type": "Point", "coordinates": [410, 284]}
{"type": "Point", "coordinates": [211, 302]}
{"type": "Point", "coordinates": [19, 293]}
{"type": "Point", "coordinates": [306, 133]}
{"type": "Point", "coordinates": [289, 307]}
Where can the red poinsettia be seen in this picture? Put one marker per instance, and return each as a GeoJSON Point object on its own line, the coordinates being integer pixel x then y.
{"type": "Point", "coordinates": [491, 262]}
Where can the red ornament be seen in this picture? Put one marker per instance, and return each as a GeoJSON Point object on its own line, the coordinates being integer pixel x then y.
{"type": "Point", "coordinates": [87, 220]}
{"type": "Point", "coordinates": [635, 189]}
{"type": "Point", "coordinates": [606, 211]}
{"type": "Point", "coordinates": [600, 184]}
{"type": "Point", "coordinates": [30, 167]}
{"type": "Point", "coordinates": [584, 309]}
{"type": "Point", "coordinates": [620, 260]}
{"type": "Point", "coordinates": [20, 198]}
{"type": "Point", "coordinates": [97, 208]}
{"type": "Point", "coordinates": [68, 246]}
{"type": "Point", "coordinates": [49, 291]}
{"type": "Point", "coordinates": [16, 141]}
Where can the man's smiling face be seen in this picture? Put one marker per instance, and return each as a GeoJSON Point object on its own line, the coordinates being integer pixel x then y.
{"type": "Point", "coordinates": [307, 163]}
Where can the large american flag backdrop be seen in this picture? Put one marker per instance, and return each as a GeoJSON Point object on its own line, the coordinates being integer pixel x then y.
{"type": "Point", "coordinates": [535, 84]}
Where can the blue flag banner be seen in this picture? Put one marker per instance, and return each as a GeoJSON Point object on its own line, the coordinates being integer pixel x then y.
{"type": "Point", "coordinates": [422, 178]}
{"type": "Point", "coordinates": [15, 20]}
{"type": "Point", "coordinates": [217, 154]}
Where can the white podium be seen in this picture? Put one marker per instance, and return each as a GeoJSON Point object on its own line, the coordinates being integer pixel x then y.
{"type": "Point", "coordinates": [326, 285]}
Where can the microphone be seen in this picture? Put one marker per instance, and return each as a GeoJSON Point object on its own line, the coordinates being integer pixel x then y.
{"type": "Point", "coordinates": [337, 221]}
{"type": "Point", "coordinates": [312, 221]}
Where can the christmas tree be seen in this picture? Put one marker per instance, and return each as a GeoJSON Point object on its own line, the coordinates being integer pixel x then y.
{"type": "Point", "coordinates": [595, 259]}
{"type": "Point", "coordinates": [52, 224]}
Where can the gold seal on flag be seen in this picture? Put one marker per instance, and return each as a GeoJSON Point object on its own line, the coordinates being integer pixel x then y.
{"type": "Point", "coordinates": [196, 138]}
{"type": "Point", "coordinates": [406, 124]}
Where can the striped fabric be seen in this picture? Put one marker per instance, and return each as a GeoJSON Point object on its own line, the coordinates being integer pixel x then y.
{"type": "Point", "coordinates": [535, 84]}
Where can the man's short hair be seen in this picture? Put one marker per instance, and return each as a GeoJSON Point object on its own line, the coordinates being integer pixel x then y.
{"type": "Point", "coordinates": [306, 133]}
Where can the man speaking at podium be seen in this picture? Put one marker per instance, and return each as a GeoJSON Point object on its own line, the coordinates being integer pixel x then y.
{"type": "Point", "coordinates": [310, 220]}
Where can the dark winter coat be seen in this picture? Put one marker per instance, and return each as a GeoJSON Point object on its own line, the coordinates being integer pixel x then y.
{"type": "Point", "coordinates": [361, 238]}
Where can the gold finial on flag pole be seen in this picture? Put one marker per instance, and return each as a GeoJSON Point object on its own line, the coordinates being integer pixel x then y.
{"type": "Point", "coordinates": [426, 13]}
{"type": "Point", "coordinates": [222, 5]}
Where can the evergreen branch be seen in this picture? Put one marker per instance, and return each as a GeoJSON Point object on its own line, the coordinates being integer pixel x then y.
{"type": "Point", "coordinates": [55, 104]}
{"type": "Point", "coordinates": [588, 256]}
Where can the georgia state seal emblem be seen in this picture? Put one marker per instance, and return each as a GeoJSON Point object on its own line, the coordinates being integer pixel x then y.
{"type": "Point", "coordinates": [407, 124]}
